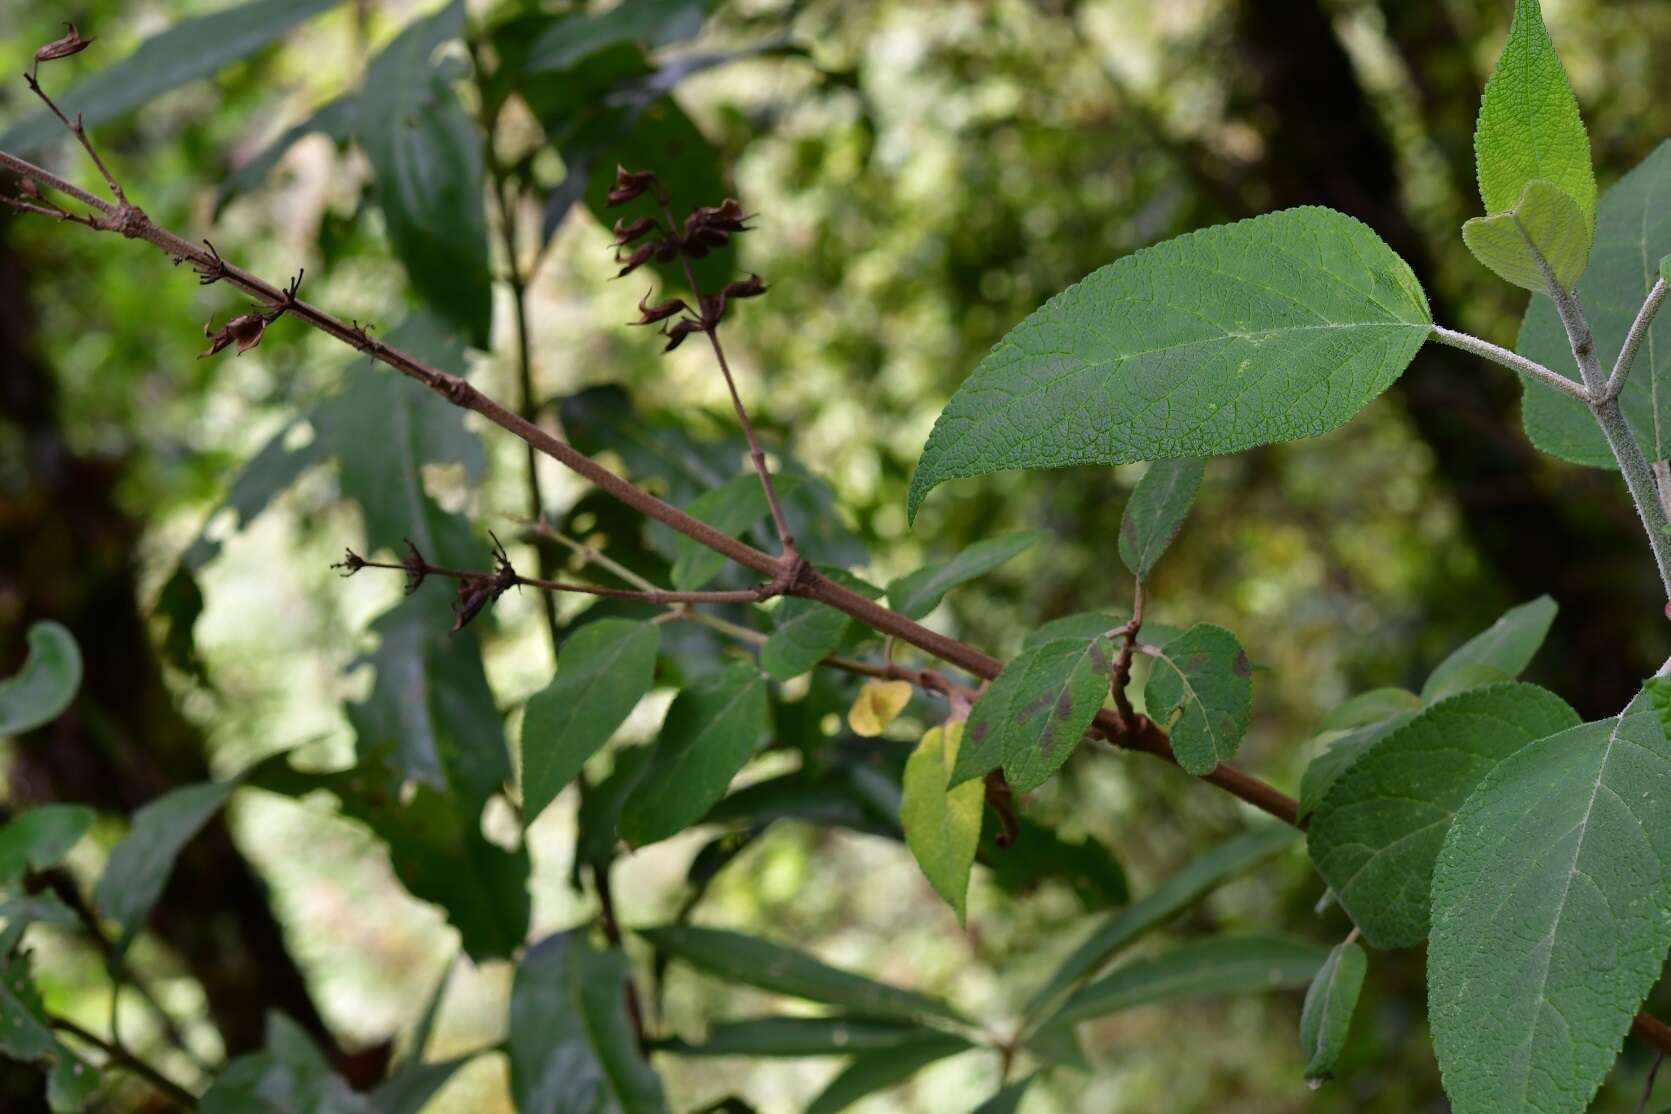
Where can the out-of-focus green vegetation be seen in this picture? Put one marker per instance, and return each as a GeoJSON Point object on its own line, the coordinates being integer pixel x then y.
{"type": "Point", "coordinates": [923, 178]}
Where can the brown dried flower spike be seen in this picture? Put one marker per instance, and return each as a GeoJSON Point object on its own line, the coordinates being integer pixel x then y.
{"type": "Point", "coordinates": [70, 43]}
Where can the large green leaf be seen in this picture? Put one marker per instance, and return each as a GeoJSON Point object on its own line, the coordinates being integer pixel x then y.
{"type": "Point", "coordinates": [1550, 901]}
{"type": "Point", "coordinates": [1376, 834]}
{"type": "Point", "coordinates": [602, 673]}
{"type": "Point", "coordinates": [1156, 511]}
{"type": "Point", "coordinates": [1172, 896]}
{"type": "Point", "coordinates": [287, 1076]}
{"type": "Point", "coordinates": [917, 593]}
{"type": "Point", "coordinates": [188, 50]}
{"type": "Point", "coordinates": [710, 732]}
{"type": "Point", "coordinates": [571, 1045]}
{"type": "Point", "coordinates": [648, 23]}
{"type": "Point", "coordinates": [1546, 235]}
{"type": "Point", "coordinates": [1222, 965]}
{"type": "Point", "coordinates": [798, 1036]}
{"type": "Point", "coordinates": [40, 837]}
{"type": "Point", "coordinates": [870, 1072]}
{"type": "Point", "coordinates": [1633, 231]}
{"type": "Point", "coordinates": [46, 684]}
{"type": "Point", "coordinates": [756, 962]}
{"type": "Point", "coordinates": [1201, 692]}
{"type": "Point", "coordinates": [1033, 715]}
{"type": "Point", "coordinates": [1329, 1004]}
{"type": "Point", "coordinates": [1529, 126]}
{"type": "Point", "coordinates": [1278, 327]}
{"type": "Point", "coordinates": [1505, 648]}
{"type": "Point", "coordinates": [429, 172]}
{"type": "Point", "coordinates": [942, 825]}
{"type": "Point", "coordinates": [139, 866]}
{"type": "Point", "coordinates": [334, 119]}
{"type": "Point", "coordinates": [26, 1034]}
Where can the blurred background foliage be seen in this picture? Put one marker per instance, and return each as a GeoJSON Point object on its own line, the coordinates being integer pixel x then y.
{"type": "Point", "coordinates": [924, 175]}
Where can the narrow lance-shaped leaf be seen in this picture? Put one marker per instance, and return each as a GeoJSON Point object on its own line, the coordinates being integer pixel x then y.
{"type": "Point", "coordinates": [1008, 1099]}
{"type": "Point", "coordinates": [1033, 715]}
{"type": "Point", "coordinates": [570, 1043]}
{"type": "Point", "coordinates": [43, 688]}
{"type": "Point", "coordinates": [1270, 329]}
{"type": "Point", "coordinates": [942, 826]}
{"type": "Point", "coordinates": [409, 1088]}
{"type": "Point", "coordinates": [1545, 236]}
{"type": "Point", "coordinates": [756, 962]}
{"type": "Point", "coordinates": [40, 838]}
{"type": "Point", "coordinates": [1505, 648]}
{"type": "Point", "coordinates": [1529, 126]}
{"type": "Point", "coordinates": [1329, 1004]}
{"type": "Point", "coordinates": [870, 1072]}
{"type": "Point", "coordinates": [1633, 231]}
{"type": "Point", "coordinates": [1156, 510]}
{"type": "Point", "coordinates": [190, 49]}
{"type": "Point", "coordinates": [798, 1036]}
{"type": "Point", "coordinates": [1550, 900]}
{"type": "Point", "coordinates": [1172, 896]}
{"type": "Point", "coordinates": [808, 631]}
{"type": "Point", "coordinates": [602, 673]}
{"type": "Point", "coordinates": [1377, 832]}
{"type": "Point", "coordinates": [140, 865]}
{"type": "Point", "coordinates": [1201, 691]}
{"type": "Point", "coordinates": [1222, 965]}
{"type": "Point", "coordinates": [917, 593]}
{"type": "Point", "coordinates": [710, 732]}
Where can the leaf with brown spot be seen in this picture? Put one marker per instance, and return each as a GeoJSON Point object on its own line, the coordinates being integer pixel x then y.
{"type": "Point", "coordinates": [1200, 691]}
{"type": "Point", "coordinates": [1033, 715]}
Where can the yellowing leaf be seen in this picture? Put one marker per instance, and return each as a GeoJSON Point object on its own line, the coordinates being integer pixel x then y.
{"type": "Point", "coordinates": [877, 705]}
{"type": "Point", "coordinates": [942, 827]}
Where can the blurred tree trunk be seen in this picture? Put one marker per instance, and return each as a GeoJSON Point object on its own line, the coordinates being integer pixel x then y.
{"type": "Point", "coordinates": [1539, 527]}
{"type": "Point", "coordinates": [67, 552]}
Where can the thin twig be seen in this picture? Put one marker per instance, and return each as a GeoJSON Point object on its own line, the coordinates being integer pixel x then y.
{"type": "Point", "coordinates": [1648, 1085]}
{"type": "Point", "coordinates": [1121, 675]}
{"type": "Point", "coordinates": [656, 596]}
{"type": "Point", "coordinates": [1514, 361]}
{"type": "Point", "coordinates": [80, 133]}
{"type": "Point", "coordinates": [122, 1058]}
{"type": "Point", "coordinates": [1633, 339]}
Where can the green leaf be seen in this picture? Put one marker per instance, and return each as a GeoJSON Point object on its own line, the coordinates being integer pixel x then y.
{"type": "Point", "coordinates": [731, 508]}
{"type": "Point", "coordinates": [1550, 900]}
{"type": "Point", "coordinates": [1270, 329]}
{"type": "Point", "coordinates": [334, 119]}
{"type": "Point", "coordinates": [1171, 897]}
{"type": "Point", "coordinates": [1201, 692]}
{"type": "Point", "coordinates": [1083, 626]}
{"type": "Point", "coordinates": [139, 865]}
{"type": "Point", "coordinates": [1633, 230]}
{"type": "Point", "coordinates": [1529, 126]}
{"type": "Point", "coordinates": [1222, 965]}
{"type": "Point", "coordinates": [26, 1035]}
{"type": "Point", "coordinates": [648, 23]}
{"type": "Point", "coordinates": [942, 825]}
{"type": "Point", "coordinates": [1371, 707]}
{"type": "Point", "coordinates": [1506, 647]}
{"type": "Point", "coordinates": [1377, 832]}
{"type": "Point", "coordinates": [807, 631]}
{"type": "Point", "coordinates": [429, 172]}
{"type": "Point", "coordinates": [600, 810]}
{"type": "Point", "coordinates": [1659, 698]}
{"type": "Point", "coordinates": [286, 1076]}
{"type": "Point", "coordinates": [710, 732]}
{"type": "Point", "coordinates": [1329, 1004]}
{"type": "Point", "coordinates": [1033, 715]}
{"type": "Point", "coordinates": [409, 1088]}
{"type": "Point", "coordinates": [1156, 510]}
{"type": "Point", "coordinates": [1665, 269]}
{"type": "Point", "coordinates": [190, 49]}
{"type": "Point", "coordinates": [1344, 750]}
{"type": "Point", "coordinates": [1544, 235]}
{"type": "Point", "coordinates": [571, 1045]}
{"type": "Point", "coordinates": [748, 959]}
{"type": "Point", "coordinates": [1039, 853]}
{"type": "Point", "coordinates": [798, 1036]}
{"type": "Point", "coordinates": [39, 692]}
{"type": "Point", "coordinates": [602, 673]}
{"type": "Point", "coordinates": [40, 838]}
{"type": "Point", "coordinates": [1008, 1099]}
{"type": "Point", "coordinates": [917, 593]}
{"type": "Point", "coordinates": [870, 1072]}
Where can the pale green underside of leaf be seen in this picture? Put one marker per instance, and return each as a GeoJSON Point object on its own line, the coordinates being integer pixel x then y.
{"type": "Point", "coordinates": [46, 684]}
{"type": "Point", "coordinates": [1329, 1004]}
{"type": "Point", "coordinates": [1633, 233]}
{"type": "Point", "coordinates": [942, 826]}
{"type": "Point", "coordinates": [1546, 233]}
{"type": "Point", "coordinates": [1156, 511]}
{"type": "Point", "coordinates": [1529, 125]}
{"type": "Point", "coordinates": [1506, 647]}
{"type": "Point", "coordinates": [1201, 692]}
{"type": "Point", "coordinates": [1550, 901]}
{"type": "Point", "coordinates": [1378, 830]}
{"type": "Point", "coordinates": [1269, 329]}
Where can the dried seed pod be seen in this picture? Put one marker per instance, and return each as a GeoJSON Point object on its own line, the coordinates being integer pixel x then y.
{"type": "Point", "coordinates": [626, 232]}
{"type": "Point", "coordinates": [649, 315]}
{"type": "Point", "coordinates": [70, 43]}
{"type": "Point", "coordinates": [245, 331]}
{"type": "Point", "coordinates": [637, 259]}
{"type": "Point", "coordinates": [628, 185]}
{"type": "Point", "coordinates": [677, 334]}
{"type": "Point", "coordinates": [751, 287]}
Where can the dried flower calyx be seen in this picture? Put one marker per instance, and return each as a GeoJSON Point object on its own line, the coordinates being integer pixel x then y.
{"type": "Point", "coordinates": [69, 43]}
{"type": "Point", "coordinates": [475, 593]}
{"type": "Point", "coordinates": [628, 185]}
{"type": "Point", "coordinates": [246, 330]}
